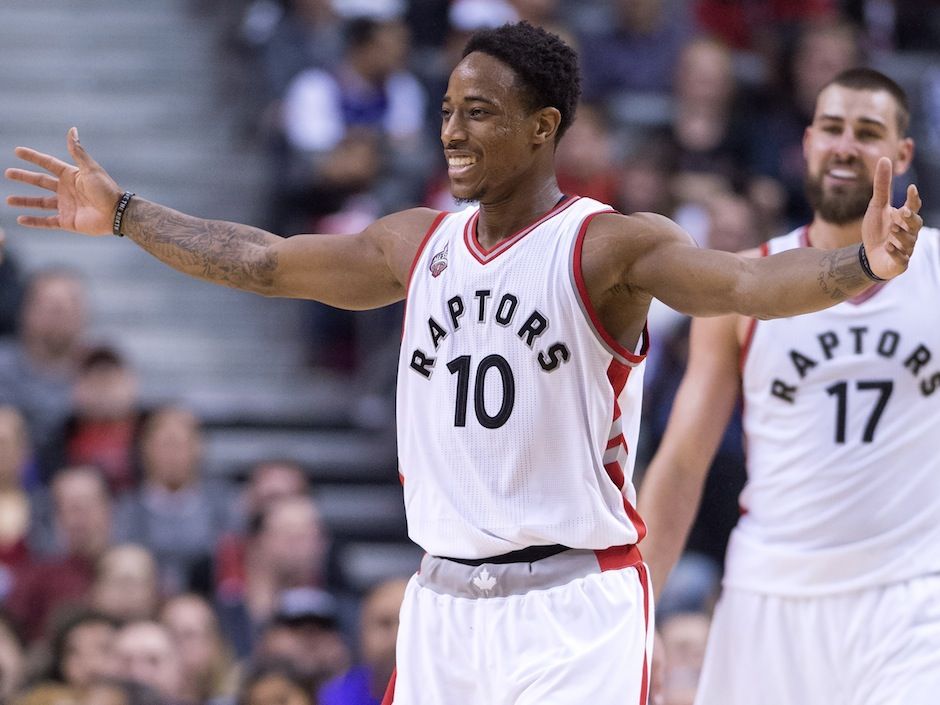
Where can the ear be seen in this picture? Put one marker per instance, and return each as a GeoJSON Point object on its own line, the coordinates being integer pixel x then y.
{"type": "Point", "coordinates": [902, 162]}
{"type": "Point", "coordinates": [807, 134]}
{"type": "Point", "coordinates": [547, 121]}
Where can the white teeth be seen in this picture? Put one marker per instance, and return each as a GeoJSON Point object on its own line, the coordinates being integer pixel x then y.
{"type": "Point", "coordinates": [460, 161]}
{"type": "Point", "coordinates": [842, 173]}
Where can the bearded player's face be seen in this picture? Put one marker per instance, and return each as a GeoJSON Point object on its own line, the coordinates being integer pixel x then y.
{"type": "Point", "coordinates": [851, 130]}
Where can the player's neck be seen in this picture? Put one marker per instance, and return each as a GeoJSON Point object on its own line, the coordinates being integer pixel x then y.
{"type": "Point", "coordinates": [830, 236]}
{"type": "Point", "coordinates": [502, 218]}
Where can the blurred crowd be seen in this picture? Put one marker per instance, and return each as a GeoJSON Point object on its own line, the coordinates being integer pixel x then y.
{"type": "Point", "coordinates": [127, 576]}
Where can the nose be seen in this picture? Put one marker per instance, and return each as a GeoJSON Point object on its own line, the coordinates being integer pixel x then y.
{"type": "Point", "coordinates": [452, 130]}
{"type": "Point", "coordinates": [846, 146]}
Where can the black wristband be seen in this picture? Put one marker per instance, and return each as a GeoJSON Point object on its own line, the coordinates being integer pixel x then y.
{"type": "Point", "coordinates": [119, 212]}
{"type": "Point", "coordinates": [866, 267]}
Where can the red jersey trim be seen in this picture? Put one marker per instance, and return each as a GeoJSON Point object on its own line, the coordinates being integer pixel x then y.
{"type": "Point", "coordinates": [424, 243]}
{"type": "Point", "coordinates": [414, 263]}
{"type": "Point", "coordinates": [645, 683]}
{"type": "Point", "coordinates": [617, 374]}
{"type": "Point", "coordinates": [483, 256]}
{"type": "Point", "coordinates": [618, 558]}
{"type": "Point", "coordinates": [593, 319]}
{"type": "Point", "coordinates": [389, 697]}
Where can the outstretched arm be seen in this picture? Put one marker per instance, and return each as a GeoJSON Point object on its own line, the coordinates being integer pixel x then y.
{"type": "Point", "coordinates": [671, 491]}
{"type": "Point", "coordinates": [665, 264]}
{"type": "Point", "coordinates": [350, 271]}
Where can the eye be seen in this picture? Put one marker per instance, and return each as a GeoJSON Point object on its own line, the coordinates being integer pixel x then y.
{"type": "Point", "coordinates": [477, 112]}
{"type": "Point", "coordinates": [445, 113]}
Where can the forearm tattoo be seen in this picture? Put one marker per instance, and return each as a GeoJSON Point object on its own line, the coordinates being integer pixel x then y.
{"type": "Point", "coordinates": [841, 275]}
{"type": "Point", "coordinates": [222, 252]}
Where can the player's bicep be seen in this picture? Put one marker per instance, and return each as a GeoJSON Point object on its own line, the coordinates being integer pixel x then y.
{"type": "Point", "coordinates": [365, 270]}
{"type": "Point", "coordinates": [667, 264]}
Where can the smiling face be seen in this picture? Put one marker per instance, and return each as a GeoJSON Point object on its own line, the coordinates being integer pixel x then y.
{"type": "Point", "coordinates": [490, 136]}
{"type": "Point", "coordinates": [851, 130]}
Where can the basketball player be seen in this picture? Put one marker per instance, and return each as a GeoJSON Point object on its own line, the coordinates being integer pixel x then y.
{"type": "Point", "coordinates": [520, 371]}
{"type": "Point", "coordinates": [832, 578]}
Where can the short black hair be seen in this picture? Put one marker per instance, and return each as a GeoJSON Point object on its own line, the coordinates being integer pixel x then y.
{"type": "Point", "coordinates": [547, 67]}
{"type": "Point", "coordinates": [866, 79]}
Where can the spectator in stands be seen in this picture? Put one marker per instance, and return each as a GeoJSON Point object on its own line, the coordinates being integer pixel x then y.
{"type": "Point", "coordinates": [146, 654]}
{"type": "Point", "coordinates": [101, 429]}
{"type": "Point", "coordinates": [365, 683]}
{"type": "Point", "coordinates": [38, 366]}
{"type": "Point", "coordinates": [16, 513]}
{"type": "Point", "coordinates": [820, 52]}
{"type": "Point", "coordinates": [12, 660]}
{"type": "Point", "coordinates": [644, 180]}
{"type": "Point", "coordinates": [125, 586]}
{"type": "Point", "coordinates": [209, 669]}
{"type": "Point", "coordinates": [11, 290]}
{"type": "Point", "coordinates": [288, 549]}
{"type": "Point", "coordinates": [587, 157]}
{"type": "Point", "coordinates": [369, 88]}
{"type": "Point", "coordinates": [268, 482]}
{"type": "Point", "coordinates": [82, 651]}
{"type": "Point", "coordinates": [81, 531]}
{"type": "Point", "coordinates": [707, 135]}
{"type": "Point", "coordinates": [305, 632]}
{"type": "Point", "coordinates": [288, 39]}
{"type": "Point", "coordinates": [175, 513]}
{"type": "Point", "coordinates": [637, 50]}
{"type": "Point", "coordinates": [276, 682]}
{"type": "Point", "coordinates": [368, 93]}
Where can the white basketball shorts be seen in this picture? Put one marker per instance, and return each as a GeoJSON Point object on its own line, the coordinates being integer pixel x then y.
{"type": "Point", "coordinates": [569, 629]}
{"type": "Point", "coordinates": [879, 646]}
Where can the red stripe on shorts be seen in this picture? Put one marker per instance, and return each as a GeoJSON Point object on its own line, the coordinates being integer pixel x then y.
{"type": "Point", "coordinates": [390, 691]}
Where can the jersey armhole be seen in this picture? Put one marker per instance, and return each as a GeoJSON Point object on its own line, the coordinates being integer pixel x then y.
{"type": "Point", "coordinates": [424, 243]}
{"type": "Point", "coordinates": [603, 336]}
{"type": "Point", "coordinates": [414, 263]}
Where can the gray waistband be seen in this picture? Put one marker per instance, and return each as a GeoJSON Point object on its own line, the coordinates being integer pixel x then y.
{"type": "Point", "coordinates": [502, 580]}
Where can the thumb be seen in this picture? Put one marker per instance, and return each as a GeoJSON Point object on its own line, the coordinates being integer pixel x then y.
{"type": "Point", "coordinates": [78, 152]}
{"type": "Point", "coordinates": [881, 188]}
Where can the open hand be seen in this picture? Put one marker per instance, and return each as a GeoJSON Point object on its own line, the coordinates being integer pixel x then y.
{"type": "Point", "coordinates": [889, 233]}
{"type": "Point", "coordinates": [84, 197]}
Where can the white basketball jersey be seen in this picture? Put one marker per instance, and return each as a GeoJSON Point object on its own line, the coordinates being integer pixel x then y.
{"type": "Point", "coordinates": [517, 415]}
{"type": "Point", "coordinates": [842, 423]}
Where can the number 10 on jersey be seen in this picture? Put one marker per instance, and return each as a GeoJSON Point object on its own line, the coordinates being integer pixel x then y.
{"type": "Point", "coordinates": [462, 367]}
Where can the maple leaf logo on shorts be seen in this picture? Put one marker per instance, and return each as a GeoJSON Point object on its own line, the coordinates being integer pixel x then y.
{"type": "Point", "coordinates": [484, 581]}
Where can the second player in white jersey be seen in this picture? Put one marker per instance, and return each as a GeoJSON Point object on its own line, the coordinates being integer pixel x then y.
{"type": "Point", "coordinates": [840, 407]}
{"type": "Point", "coordinates": [501, 347]}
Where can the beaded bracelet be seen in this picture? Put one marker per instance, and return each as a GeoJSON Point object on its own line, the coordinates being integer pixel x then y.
{"type": "Point", "coordinates": [119, 213]}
